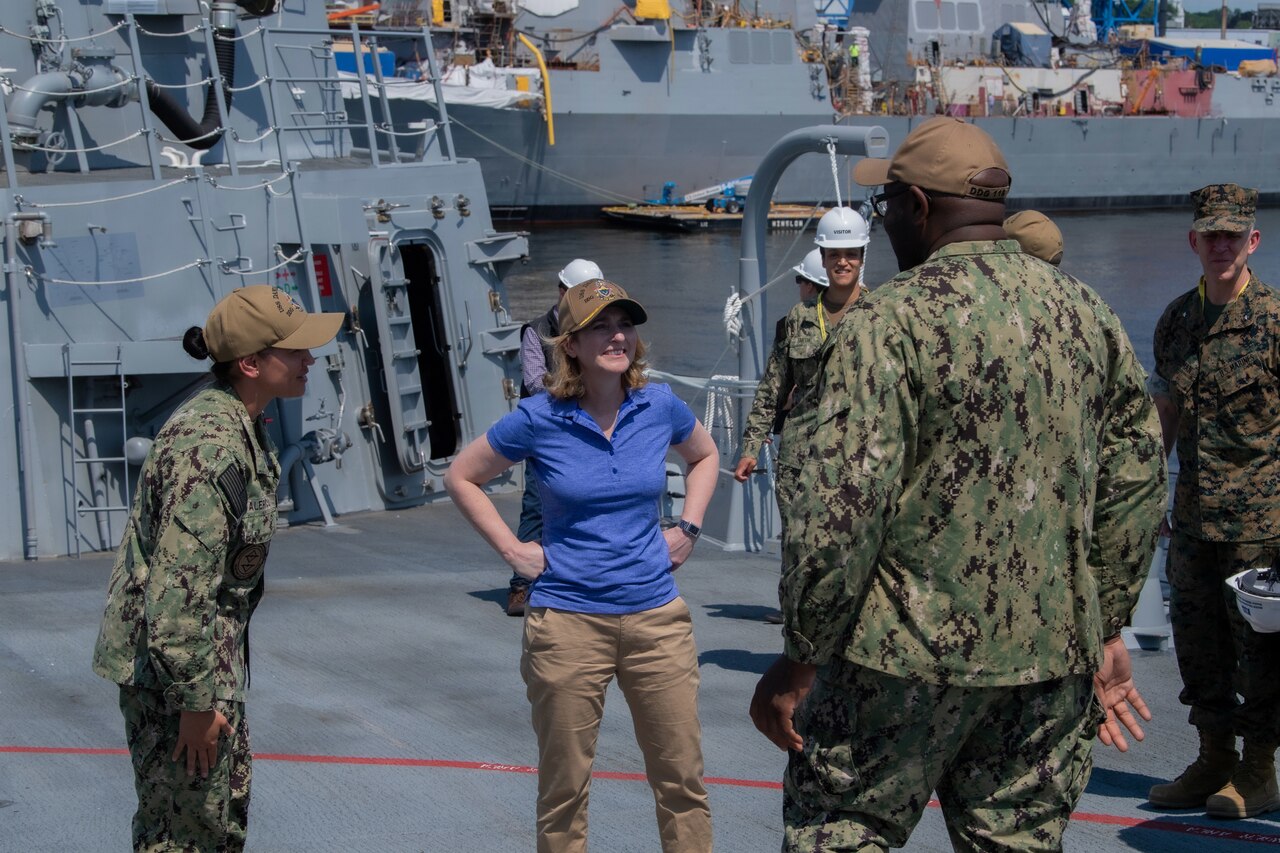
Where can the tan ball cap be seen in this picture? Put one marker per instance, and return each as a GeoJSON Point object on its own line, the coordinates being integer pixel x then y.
{"type": "Point", "coordinates": [943, 154]}
{"type": "Point", "coordinates": [1037, 235]}
{"type": "Point", "coordinates": [250, 319]}
{"type": "Point", "coordinates": [582, 302]}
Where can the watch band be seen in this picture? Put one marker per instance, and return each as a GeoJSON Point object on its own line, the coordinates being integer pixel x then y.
{"type": "Point", "coordinates": [693, 531]}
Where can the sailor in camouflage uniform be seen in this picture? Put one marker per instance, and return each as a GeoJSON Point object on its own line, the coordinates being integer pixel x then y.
{"type": "Point", "coordinates": [189, 573]}
{"type": "Point", "coordinates": [1217, 388]}
{"type": "Point", "coordinates": [790, 375]}
{"type": "Point", "coordinates": [972, 526]}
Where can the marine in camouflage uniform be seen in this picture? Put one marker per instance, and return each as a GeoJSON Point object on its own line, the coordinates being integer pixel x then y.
{"type": "Point", "coordinates": [975, 514]}
{"type": "Point", "coordinates": [1217, 382]}
{"type": "Point", "coordinates": [187, 577]}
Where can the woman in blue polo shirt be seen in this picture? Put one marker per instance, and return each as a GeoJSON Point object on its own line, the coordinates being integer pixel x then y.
{"type": "Point", "coordinates": [604, 603]}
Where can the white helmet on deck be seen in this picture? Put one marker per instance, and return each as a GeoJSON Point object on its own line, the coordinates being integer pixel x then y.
{"type": "Point", "coordinates": [842, 228]}
{"type": "Point", "coordinates": [812, 269]}
{"type": "Point", "coordinates": [578, 270]}
{"type": "Point", "coordinates": [1258, 598]}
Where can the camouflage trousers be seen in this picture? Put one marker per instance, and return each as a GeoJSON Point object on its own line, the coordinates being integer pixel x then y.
{"type": "Point", "coordinates": [784, 491]}
{"type": "Point", "coordinates": [1008, 763]}
{"type": "Point", "coordinates": [1219, 655]}
{"type": "Point", "coordinates": [177, 812]}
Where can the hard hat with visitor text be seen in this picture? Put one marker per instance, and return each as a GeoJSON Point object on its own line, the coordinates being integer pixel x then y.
{"type": "Point", "coordinates": [579, 270]}
{"type": "Point", "coordinates": [842, 228]}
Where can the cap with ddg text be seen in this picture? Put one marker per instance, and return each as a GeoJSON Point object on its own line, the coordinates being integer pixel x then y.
{"type": "Point", "coordinates": [581, 303]}
{"type": "Point", "coordinates": [943, 155]}
{"type": "Point", "coordinates": [1224, 207]}
{"type": "Point", "coordinates": [250, 319]}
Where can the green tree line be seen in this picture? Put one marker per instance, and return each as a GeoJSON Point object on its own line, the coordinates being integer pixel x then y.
{"type": "Point", "coordinates": [1237, 19]}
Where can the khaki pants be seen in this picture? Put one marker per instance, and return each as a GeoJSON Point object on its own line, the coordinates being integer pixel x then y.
{"type": "Point", "coordinates": [567, 663]}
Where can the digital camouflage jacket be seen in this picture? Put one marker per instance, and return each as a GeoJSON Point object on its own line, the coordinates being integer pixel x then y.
{"type": "Point", "coordinates": [979, 501]}
{"type": "Point", "coordinates": [793, 363]}
{"type": "Point", "coordinates": [1225, 383]}
{"type": "Point", "coordinates": [188, 572]}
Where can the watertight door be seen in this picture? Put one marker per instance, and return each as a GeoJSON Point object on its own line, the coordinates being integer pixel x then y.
{"type": "Point", "coordinates": [399, 350]}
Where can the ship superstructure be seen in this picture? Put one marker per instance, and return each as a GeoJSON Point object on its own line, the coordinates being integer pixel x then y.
{"type": "Point", "coordinates": [573, 104]}
{"type": "Point", "coordinates": [159, 153]}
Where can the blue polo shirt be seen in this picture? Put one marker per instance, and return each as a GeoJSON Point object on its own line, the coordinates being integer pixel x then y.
{"type": "Point", "coordinates": [605, 551]}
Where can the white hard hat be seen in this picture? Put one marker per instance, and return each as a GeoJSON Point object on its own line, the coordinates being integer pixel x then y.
{"type": "Point", "coordinates": [812, 269]}
{"type": "Point", "coordinates": [842, 228]}
{"type": "Point", "coordinates": [1258, 598]}
{"type": "Point", "coordinates": [578, 270]}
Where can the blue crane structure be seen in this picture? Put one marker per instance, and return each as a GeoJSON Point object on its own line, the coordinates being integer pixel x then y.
{"type": "Point", "coordinates": [1110, 14]}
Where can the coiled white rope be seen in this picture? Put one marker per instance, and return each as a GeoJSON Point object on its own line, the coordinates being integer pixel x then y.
{"type": "Point", "coordinates": [732, 314]}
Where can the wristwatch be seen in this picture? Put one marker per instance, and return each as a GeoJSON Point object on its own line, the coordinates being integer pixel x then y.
{"type": "Point", "coordinates": [693, 531]}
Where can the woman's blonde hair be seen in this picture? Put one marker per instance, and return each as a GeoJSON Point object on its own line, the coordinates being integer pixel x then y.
{"type": "Point", "coordinates": [564, 379]}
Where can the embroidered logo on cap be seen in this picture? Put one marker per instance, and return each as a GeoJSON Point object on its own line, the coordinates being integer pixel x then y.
{"type": "Point", "coordinates": [284, 302]}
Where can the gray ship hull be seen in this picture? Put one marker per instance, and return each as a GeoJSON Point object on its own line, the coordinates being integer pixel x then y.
{"type": "Point", "coordinates": [1058, 163]}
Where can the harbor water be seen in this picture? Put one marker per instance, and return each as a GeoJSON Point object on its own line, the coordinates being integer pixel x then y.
{"type": "Point", "coordinates": [1137, 261]}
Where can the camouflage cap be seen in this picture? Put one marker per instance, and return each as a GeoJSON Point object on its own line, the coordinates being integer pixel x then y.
{"type": "Point", "coordinates": [251, 319]}
{"type": "Point", "coordinates": [1224, 207]}
{"type": "Point", "coordinates": [582, 302]}
{"type": "Point", "coordinates": [1037, 235]}
{"type": "Point", "coordinates": [943, 154]}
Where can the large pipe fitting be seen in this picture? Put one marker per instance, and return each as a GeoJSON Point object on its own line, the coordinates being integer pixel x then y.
{"type": "Point", "coordinates": [92, 81]}
{"type": "Point", "coordinates": [223, 17]}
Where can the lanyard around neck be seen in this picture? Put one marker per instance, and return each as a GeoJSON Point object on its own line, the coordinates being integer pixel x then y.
{"type": "Point", "coordinates": [1201, 288]}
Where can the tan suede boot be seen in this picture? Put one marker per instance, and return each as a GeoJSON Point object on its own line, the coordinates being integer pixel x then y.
{"type": "Point", "coordinates": [1252, 789]}
{"type": "Point", "coordinates": [1207, 774]}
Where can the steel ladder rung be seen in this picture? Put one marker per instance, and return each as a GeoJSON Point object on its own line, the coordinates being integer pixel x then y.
{"type": "Point", "coordinates": [83, 508]}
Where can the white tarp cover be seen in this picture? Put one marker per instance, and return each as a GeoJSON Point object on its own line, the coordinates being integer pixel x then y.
{"type": "Point", "coordinates": [481, 85]}
{"type": "Point", "coordinates": [548, 8]}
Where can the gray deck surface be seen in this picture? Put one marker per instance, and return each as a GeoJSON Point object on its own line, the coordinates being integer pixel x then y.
{"type": "Point", "coordinates": [385, 639]}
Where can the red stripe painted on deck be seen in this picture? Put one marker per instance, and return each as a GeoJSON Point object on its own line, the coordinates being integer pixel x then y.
{"type": "Point", "coordinates": [1160, 824]}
